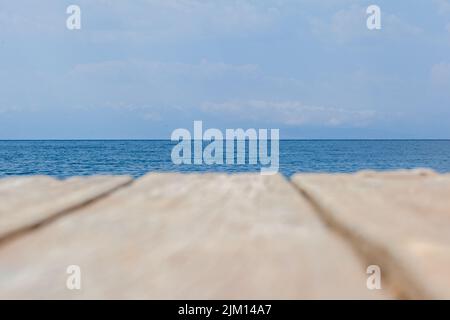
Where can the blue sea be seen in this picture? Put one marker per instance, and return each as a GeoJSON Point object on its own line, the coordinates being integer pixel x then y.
{"type": "Point", "coordinates": [137, 157]}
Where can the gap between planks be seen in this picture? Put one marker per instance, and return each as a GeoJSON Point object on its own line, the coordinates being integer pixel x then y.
{"type": "Point", "coordinates": [27, 229]}
{"type": "Point", "coordinates": [367, 253]}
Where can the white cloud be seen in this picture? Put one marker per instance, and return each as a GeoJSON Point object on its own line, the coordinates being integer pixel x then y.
{"type": "Point", "coordinates": [440, 75]}
{"type": "Point", "coordinates": [27, 18]}
{"type": "Point", "coordinates": [154, 89]}
{"type": "Point", "coordinates": [349, 24]}
{"type": "Point", "coordinates": [11, 109]}
{"type": "Point", "coordinates": [169, 20]}
{"type": "Point", "coordinates": [397, 27]}
{"type": "Point", "coordinates": [293, 113]}
{"type": "Point", "coordinates": [344, 25]}
{"type": "Point", "coordinates": [148, 69]}
{"type": "Point", "coordinates": [443, 6]}
{"type": "Point", "coordinates": [141, 21]}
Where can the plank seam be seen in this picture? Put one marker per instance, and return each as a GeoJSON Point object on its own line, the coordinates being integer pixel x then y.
{"type": "Point", "coordinates": [12, 235]}
{"type": "Point", "coordinates": [394, 273]}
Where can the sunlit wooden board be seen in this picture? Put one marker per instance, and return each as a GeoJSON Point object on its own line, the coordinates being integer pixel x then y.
{"type": "Point", "coordinates": [398, 220]}
{"type": "Point", "coordinates": [27, 202]}
{"type": "Point", "coordinates": [179, 236]}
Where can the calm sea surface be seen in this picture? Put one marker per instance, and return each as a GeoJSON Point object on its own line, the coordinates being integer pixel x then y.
{"type": "Point", "coordinates": [69, 158]}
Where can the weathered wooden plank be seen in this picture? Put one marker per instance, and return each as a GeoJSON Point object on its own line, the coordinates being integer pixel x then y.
{"type": "Point", "coordinates": [398, 220]}
{"type": "Point", "coordinates": [188, 236]}
{"type": "Point", "coordinates": [26, 202]}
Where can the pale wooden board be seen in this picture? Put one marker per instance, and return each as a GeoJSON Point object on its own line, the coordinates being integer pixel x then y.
{"type": "Point", "coordinates": [28, 201]}
{"type": "Point", "coordinates": [188, 236]}
{"type": "Point", "coordinates": [398, 220]}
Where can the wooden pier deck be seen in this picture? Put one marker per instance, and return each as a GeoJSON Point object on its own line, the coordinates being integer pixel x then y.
{"type": "Point", "coordinates": [218, 236]}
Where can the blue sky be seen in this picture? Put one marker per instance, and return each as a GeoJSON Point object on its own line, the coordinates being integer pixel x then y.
{"type": "Point", "coordinates": [142, 68]}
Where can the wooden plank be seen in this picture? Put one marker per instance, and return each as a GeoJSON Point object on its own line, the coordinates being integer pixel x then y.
{"type": "Point", "coordinates": [26, 202]}
{"type": "Point", "coordinates": [399, 221]}
{"type": "Point", "coordinates": [188, 236]}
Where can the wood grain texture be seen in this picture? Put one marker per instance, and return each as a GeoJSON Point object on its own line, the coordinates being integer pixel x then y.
{"type": "Point", "coordinates": [176, 236]}
{"type": "Point", "coordinates": [398, 220]}
{"type": "Point", "coordinates": [26, 202]}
